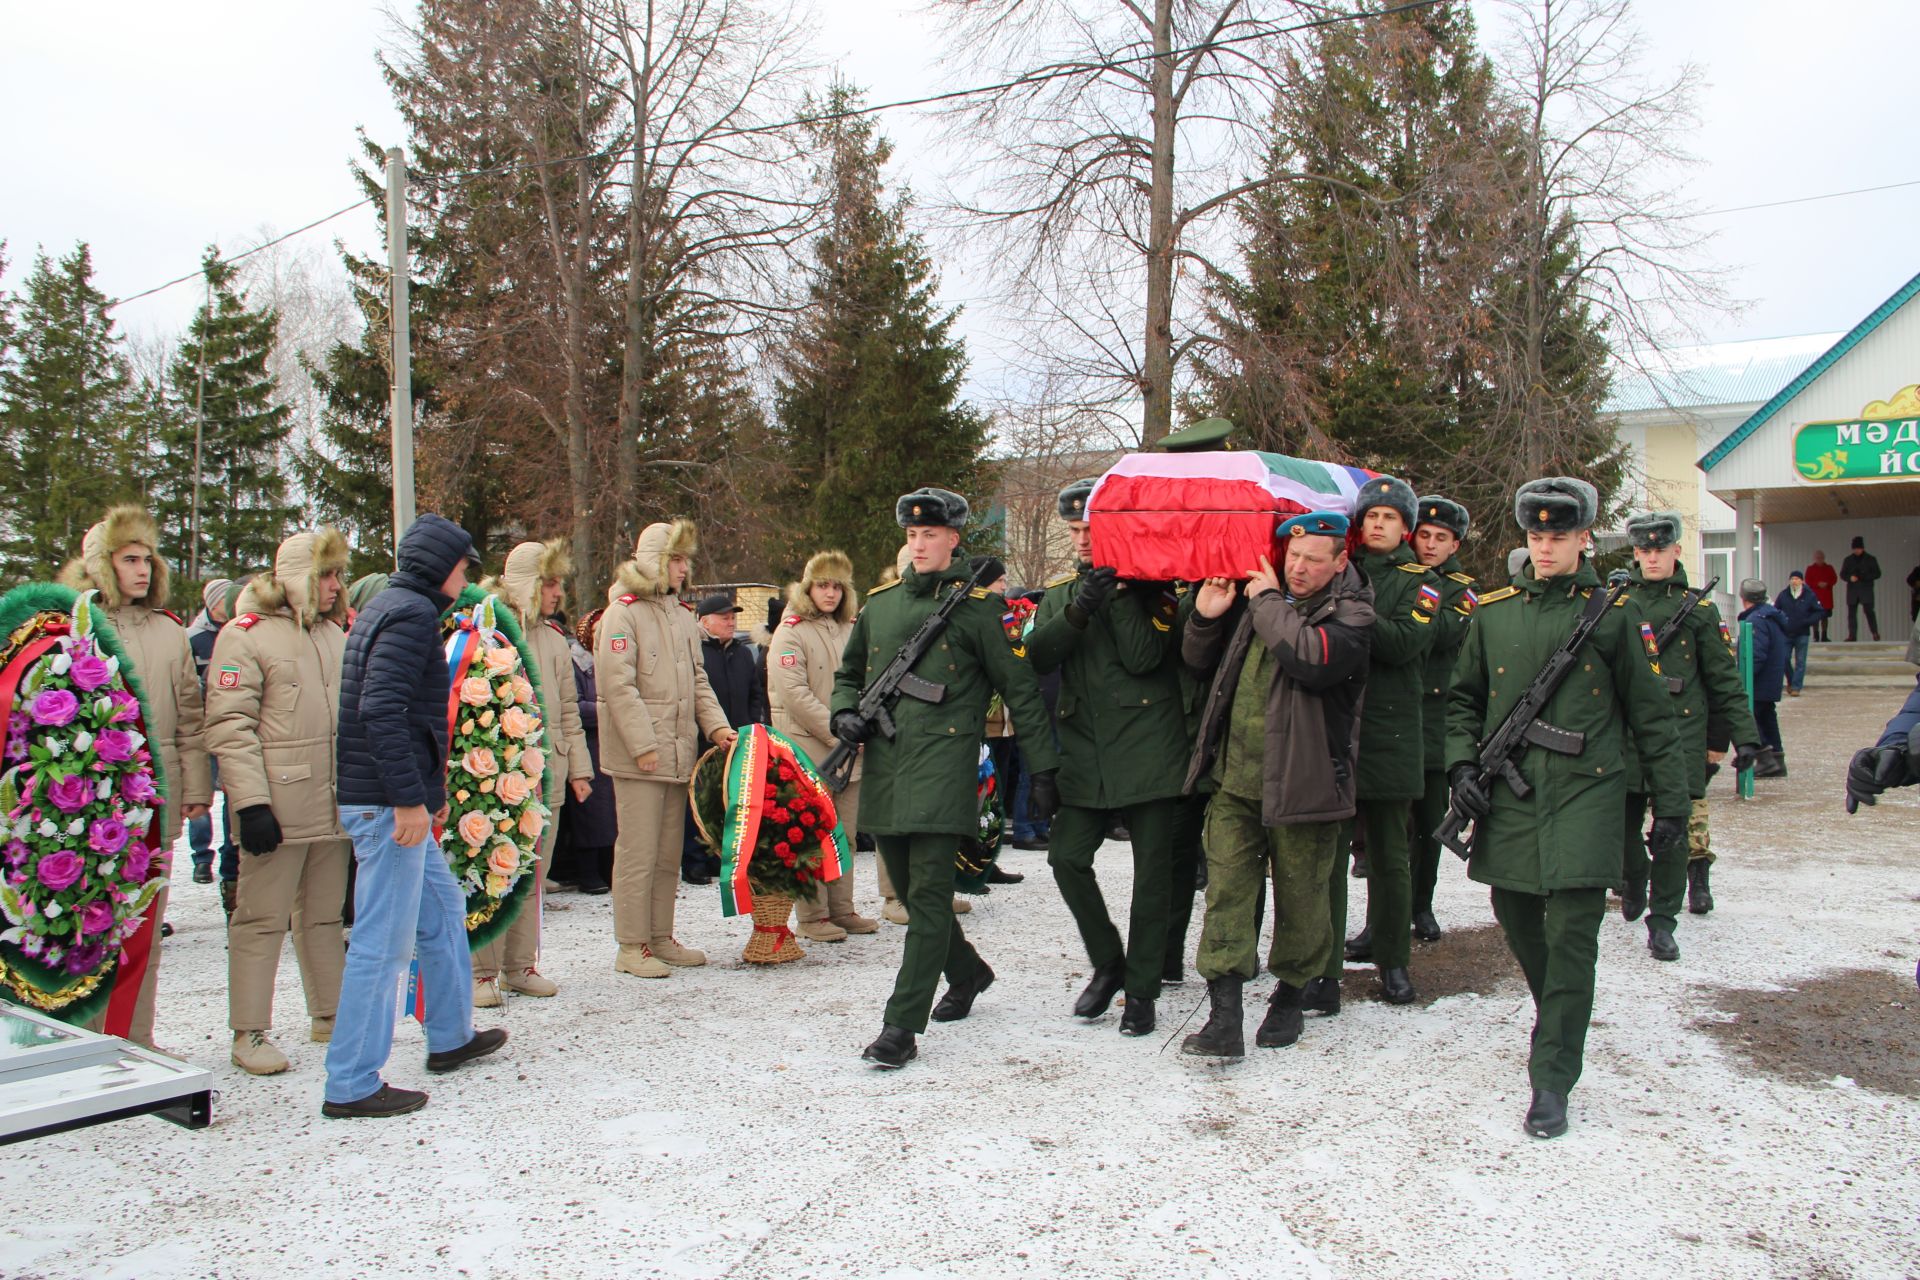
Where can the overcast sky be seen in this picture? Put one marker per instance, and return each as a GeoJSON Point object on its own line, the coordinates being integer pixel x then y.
{"type": "Point", "coordinates": [151, 130]}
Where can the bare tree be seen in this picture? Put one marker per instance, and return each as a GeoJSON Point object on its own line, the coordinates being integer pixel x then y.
{"type": "Point", "coordinates": [1043, 444]}
{"type": "Point", "coordinates": [1131, 127]}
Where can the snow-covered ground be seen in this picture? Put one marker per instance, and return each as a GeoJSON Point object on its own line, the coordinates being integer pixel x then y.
{"type": "Point", "coordinates": [720, 1123]}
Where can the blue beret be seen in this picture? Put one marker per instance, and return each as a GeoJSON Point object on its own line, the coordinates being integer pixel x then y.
{"type": "Point", "coordinates": [1330, 524]}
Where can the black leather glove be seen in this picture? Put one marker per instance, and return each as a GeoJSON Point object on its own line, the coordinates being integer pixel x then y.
{"type": "Point", "coordinates": [1464, 781]}
{"type": "Point", "coordinates": [1667, 834]}
{"type": "Point", "coordinates": [1745, 756]}
{"type": "Point", "coordinates": [259, 829]}
{"type": "Point", "coordinates": [1043, 795]}
{"type": "Point", "coordinates": [851, 728]}
{"type": "Point", "coordinates": [1873, 770]}
{"type": "Point", "coordinates": [1095, 589]}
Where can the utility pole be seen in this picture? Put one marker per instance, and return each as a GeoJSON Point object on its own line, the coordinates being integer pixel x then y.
{"type": "Point", "coordinates": [199, 431]}
{"type": "Point", "coordinates": [397, 271]}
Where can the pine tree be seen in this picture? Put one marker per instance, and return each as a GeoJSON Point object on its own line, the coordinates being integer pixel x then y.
{"type": "Point", "coordinates": [66, 408]}
{"type": "Point", "coordinates": [868, 391]}
{"type": "Point", "coordinates": [347, 472]}
{"type": "Point", "coordinates": [222, 395]}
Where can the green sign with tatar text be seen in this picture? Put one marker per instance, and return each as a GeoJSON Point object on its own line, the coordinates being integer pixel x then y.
{"type": "Point", "coordinates": [1858, 449]}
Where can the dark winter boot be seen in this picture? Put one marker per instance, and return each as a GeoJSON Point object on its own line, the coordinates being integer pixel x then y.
{"type": "Point", "coordinates": [894, 1049]}
{"type": "Point", "coordinates": [1547, 1117]}
{"type": "Point", "coordinates": [1101, 989]}
{"type": "Point", "coordinates": [1284, 1021]}
{"type": "Point", "coordinates": [1360, 945]}
{"type": "Point", "coordinates": [1633, 899]}
{"type": "Point", "coordinates": [958, 1002]}
{"type": "Point", "coordinates": [1660, 944]}
{"type": "Point", "coordinates": [1321, 995]}
{"type": "Point", "coordinates": [1223, 1036]}
{"type": "Point", "coordinates": [229, 894]}
{"type": "Point", "coordinates": [1773, 764]}
{"type": "Point", "coordinates": [1136, 1019]}
{"type": "Point", "coordinates": [1425, 927]}
{"type": "Point", "coordinates": [1699, 894]}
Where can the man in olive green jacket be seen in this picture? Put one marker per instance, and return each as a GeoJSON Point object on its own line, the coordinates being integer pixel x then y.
{"type": "Point", "coordinates": [1551, 856]}
{"type": "Point", "coordinates": [1123, 738]}
{"type": "Point", "coordinates": [918, 788]}
{"type": "Point", "coordinates": [1406, 600]}
{"type": "Point", "coordinates": [1707, 693]}
{"type": "Point", "coordinates": [1438, 531]}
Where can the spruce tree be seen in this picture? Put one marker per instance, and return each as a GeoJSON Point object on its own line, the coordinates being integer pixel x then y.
{"type": "Point", "coordinates": [222, 394]}
{"type": "Point", "coordinates": [347, 470]}
{"type": "Point", "coordinates": [868, 392]}
{"type": "Point", "coordinates": [66, 407]}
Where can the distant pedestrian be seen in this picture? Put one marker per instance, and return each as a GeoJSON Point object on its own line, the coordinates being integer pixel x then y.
{"type": "Point", "coordinates": [1913, 593]}
{"type": "Point", "coordinates": [1860, 571]}
{"type": "Point", "coordinates": [200, 636]}
{"type": "Point", "coordinates": [1770, 644]}
{"type": "Point", "coordinates": [1822, 578]}
{"type": "Point", "coordinates": [1802, 612]}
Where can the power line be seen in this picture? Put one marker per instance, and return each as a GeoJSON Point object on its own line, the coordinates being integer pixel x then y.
{"type": "Point", "coordinates": [246, 253]}
{"type": "Point", "coordinates": [1826, 195]}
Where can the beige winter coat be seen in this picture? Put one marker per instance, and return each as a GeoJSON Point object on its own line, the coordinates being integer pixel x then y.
{"type": "Point", "coordinates": [804, 654]}
{"type": "Point", "coordinates": [528, 565]}
{"type": "Point", "coordinates": [652, 684]}
{"type": "Point", "coordinates": [156, 645]}
{"type": "Point", "coordinates": [273, 692]}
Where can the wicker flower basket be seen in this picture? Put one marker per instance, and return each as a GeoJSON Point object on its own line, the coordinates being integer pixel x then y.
{"type": "Point", "coordinates": [772, 942]}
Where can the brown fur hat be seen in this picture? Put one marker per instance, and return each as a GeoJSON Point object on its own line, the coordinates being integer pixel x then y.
{"type": "Point", "coordinates": [302, 560]}
{"type": "Point", "coordinates": [93, 567]}
{"type": "Point", "coordinates": [528, 565]}
{"type": "Point", "coordinates": [825, 566]}
{"type": "Point", "coordinates": [646, 573]}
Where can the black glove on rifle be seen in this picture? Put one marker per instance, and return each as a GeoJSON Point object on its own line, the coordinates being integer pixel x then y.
{"type": "Point", "coordinates": [1667, 834]}
{"type": "Point", "coordinates": [1468, 793]}
{"type": "Point", "coordinates": [851, 728]}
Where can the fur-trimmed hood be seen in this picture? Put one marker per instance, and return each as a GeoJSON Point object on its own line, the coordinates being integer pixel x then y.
{"type": "Point", "coordinates": [93, 567]}
{"type": "Point", "coordinates": [646, 573]}
{"type": "Point", "coordinates": [302, 560]}
{"type": "Point", "coordinates": [528, 565]}
{"type": "Point", "coordinates": [825, 566]}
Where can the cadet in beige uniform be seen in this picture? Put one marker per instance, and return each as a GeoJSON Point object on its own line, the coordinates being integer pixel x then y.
{"type": "Point", "coordinates": [273, 707]}
{"type": "Point", "coordinates": [801, 659]}
{"type": "Point", "coordinates": [656, 712]}
{"type": "Point", "coordinates": [532, 585]}
{"type": "Point", "coordinates": [119, 559]}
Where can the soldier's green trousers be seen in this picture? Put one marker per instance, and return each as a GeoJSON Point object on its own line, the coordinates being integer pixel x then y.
{"type": "Point", "coordinates": [1073, 838]}
{"type": "Point", "coordinates": [1556, 939]}
{"type": "Point", "coordinates": [1187, 852]}
{"type": "Point", "coordinates": [1335, 965]}
{"type": "Point", "coordinates": [1389, 886]}
{"type": "Point", "coordinates": [1429, 811]}
{"type": "Point", "coordinates": [921, 867]}
{"type": "Point", "coordinates": [1667, 883]}
{"type": "Point", "coordinates": [1242, 851]}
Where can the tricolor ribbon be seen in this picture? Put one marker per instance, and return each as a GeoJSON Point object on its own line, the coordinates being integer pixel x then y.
{"type": "Point", "coordinates": [758, 752]}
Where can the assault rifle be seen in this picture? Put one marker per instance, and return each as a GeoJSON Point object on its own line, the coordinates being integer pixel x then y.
{"type": "Point", "coordinates": [1687, 605]}
{"type": "Point", "coordinates": [1501, 752]}
{"type": "Point", "coordinates": [895, 680]}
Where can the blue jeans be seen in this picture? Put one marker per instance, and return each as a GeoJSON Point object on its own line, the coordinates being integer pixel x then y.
{"type": "Point", "coordinates": [200, 835]}
{"type": "Point", "coordinates": [1797, 661]}
{"type": "Point", "coordinates": [405, 903]}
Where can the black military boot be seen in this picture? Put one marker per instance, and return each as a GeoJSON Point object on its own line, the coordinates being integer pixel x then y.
{"type": "Point", "coordinates": [1699, 892]}
{"type": "Point", "coordinates": [1284, 1021]}
{"type": "Point", "coordinates": [1633, 899]}
{"type": "Point", "coordinates": [1321, 995]}
{"type": "Point", "coordinates": [1773, 764]}
{"type": "Point", "coordinates": [1360, 945]}
{"type": "Point", "coordinates": [1547, 1117]}
{"type": "Point", "coordinates": [958, 1002]}
{"type": "Point", "coordinates": [1104, 986]}
{"type": "Point", "coordinates": [1661, 944]}
{"type": "Point", "coordinates": [1425, 927]}
{"type": "Point", "coordinates": [1223, 1036]}
{"type": "Point", "coordinates": [894, 1049]}
{"type": "Point", "coordinates": [1136, 1018]}
{"type": "Point", "coordinates": [1395, 986]}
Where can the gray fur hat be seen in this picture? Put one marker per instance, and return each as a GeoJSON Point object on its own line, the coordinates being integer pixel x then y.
{"type": "Point", "coordinates": [1446, 513]}
{"type": "Point", "coordinates": [1386, 491]}
{"type": "Point", "coordinates": [1753, 591]}
{"type": "Point", "coordinates": [1556, 504]}
{"type": "Point", "coordinates": [1073, 498]}
{"type": "Point", "coordinates": [1655, 530]}
{"type": "Point", "coordinates": [931, 507]}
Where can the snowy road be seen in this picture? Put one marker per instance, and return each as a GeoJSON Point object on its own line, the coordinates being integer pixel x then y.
{"type": "Point", "coordinates": [720, 1124]}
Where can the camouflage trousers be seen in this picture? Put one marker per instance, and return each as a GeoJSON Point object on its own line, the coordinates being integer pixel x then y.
{"type": "Point", "coordinates": [1699, 840]}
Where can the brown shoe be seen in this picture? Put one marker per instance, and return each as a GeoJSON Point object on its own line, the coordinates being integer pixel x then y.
{"type": "Point", "coordinates": [482, 1044]}
{"type": "Point", "coordinates": [821, 931]}
{"type": "Point", "coordinates": [854, 922]}
{"type": "Point", "coordinates": [670, 950]}
{"type": "Point", "coordinates": [385, 1101]}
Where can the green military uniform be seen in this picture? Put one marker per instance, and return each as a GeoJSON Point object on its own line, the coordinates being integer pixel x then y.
{"type": "Point", "coordinates": [1706, 689]}
{"type": "Point", "coordinates": [1391, 773]}
{"type": "Point", "coordinates": [1550, 858]}
{"type": "Point", "coordinates": [1457, 603]}
{"type": "Point", "coordinates": [918, 795]}
{"type": "Point", "coordinates": [1123, 747]}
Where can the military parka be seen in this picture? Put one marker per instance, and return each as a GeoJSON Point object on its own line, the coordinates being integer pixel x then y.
{"type": "Point", "coordinates": [1708, 693]}
{"type": "Point", "coordinates": [1450, 622]}
{"type": "Point", "coordinates": [1391, 763]}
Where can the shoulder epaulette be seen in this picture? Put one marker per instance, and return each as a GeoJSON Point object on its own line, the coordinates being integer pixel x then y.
{"type": "Point", "coordinates": [171, 614]}
{"type": "Point", "coordinates": [885, 586]}
{"type": "Point", "coordinates": [1062, 580]}
{"type": "Point", "coordinates": [1412, 566]}
{"type": "Point", "coordinates": [628, 598]}
{"type": "Point", "coordinates": [1504, 593]}
{"type": "Point", "coordinates": [984, 593]}
{"type": "Point", "coordinates": [1464, 579]}
{"type": "Point", "coordinates": [1622, 600]}
{"type": "Point", "coordinates": [791, 620]}
{"type": "Point", "coordinates": [557, 627]}
{"type": "Point", "coordinates": [246, 621]}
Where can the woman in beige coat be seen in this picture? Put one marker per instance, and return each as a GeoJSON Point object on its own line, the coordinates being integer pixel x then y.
{"type": "Point", "coordinates": [532, 585]}
{"type": "Point", "coordinates": [273, 710]}
{"type": "Point", "coordinates": [656, 711]}
{"type": "Point", "coordinates": [801, 659]}
{"type": "Point", "coordinates": [119, 559]}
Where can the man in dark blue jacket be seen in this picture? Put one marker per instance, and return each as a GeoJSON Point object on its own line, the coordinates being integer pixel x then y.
{"type": "Point", "coordinates": [1802, 612]}
{"type": "Point", "coordinates": [392, 763]}
{"type": "Point", "coordinates": [1770, 645]}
